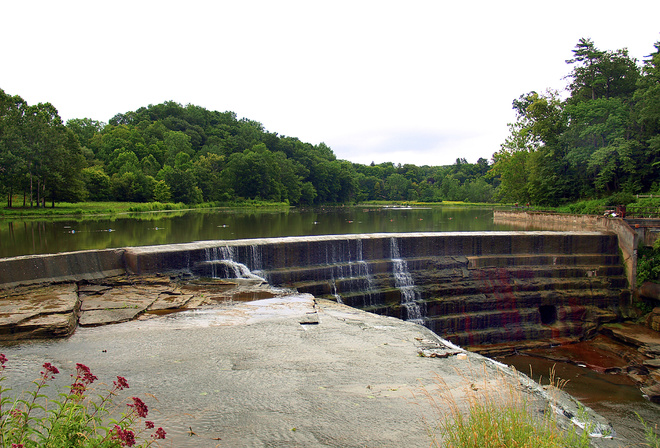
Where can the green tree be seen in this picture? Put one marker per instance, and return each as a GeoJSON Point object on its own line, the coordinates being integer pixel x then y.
{"type": "Point", "coordinates": [396, 187]}
{"type": "Point", "coordinates": [150, 165]}
{"type": "Point", "coordinates": [122, 161]}
{"type": "Point", "coordinates": [162, 192]}
{"type": "Point", "coordinates": [132, 186]}
{"type": "Point", "coordinates": [182, 183]}
{"type": "Point", "coordinates": [601, 74]}
{"type": "Point", "coordinates": [85, 129]}
{"type": "Point", "coordinates": [97, 184]}
{"type": "Point", "coordinates": [207, 170]}
{"type": "Point", "coordinates": [13, 158]}
{"type": "Point", "coordinates": [175, 143]}
{"type": "Point", "coordinates": [647, 111]}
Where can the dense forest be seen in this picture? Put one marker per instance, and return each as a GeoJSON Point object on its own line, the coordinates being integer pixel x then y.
{"type": "Point", "coordinates": [603, 139]}
{"type": "Point", "coordinates": [169, 152]}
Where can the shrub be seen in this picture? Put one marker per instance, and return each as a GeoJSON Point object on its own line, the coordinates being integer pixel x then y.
{"type": "Point", "coordinates": [75, 419]}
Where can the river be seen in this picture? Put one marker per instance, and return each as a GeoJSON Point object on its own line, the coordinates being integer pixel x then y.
{"type": "Point", "coordinates": [21, 236]}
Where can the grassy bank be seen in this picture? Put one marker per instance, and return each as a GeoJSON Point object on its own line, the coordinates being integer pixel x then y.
{"type": "Point", "coordinates": [106, 208]}
{"type": "Point", "coordinates": [429, 204]}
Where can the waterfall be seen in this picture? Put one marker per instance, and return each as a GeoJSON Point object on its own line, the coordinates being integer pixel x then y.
{"type": "Point", "coordinates": [225, 257]}
{"type": "Point", "coordinates": [335, 294]}
{"type": "Point", "coordinates": [352, 274]}
{"type": "Point", "coordinates": [363, 272]}
{"type": "Point", "coordinates": [404, 283]}
{"type": "Point", "coordinates": [256, 263]}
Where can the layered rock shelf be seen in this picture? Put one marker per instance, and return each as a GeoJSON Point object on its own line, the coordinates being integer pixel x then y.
{"type": "Point", "coordinates": [55, 310]}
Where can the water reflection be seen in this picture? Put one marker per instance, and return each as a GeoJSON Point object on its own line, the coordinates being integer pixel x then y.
{"type": "Point", "coordinates": [25, 237]}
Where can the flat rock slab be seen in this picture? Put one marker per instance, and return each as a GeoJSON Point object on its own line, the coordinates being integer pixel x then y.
{"type": "Point", "coordinates": [119, 304]}
{"type": "Point", "coordinates": [170, 301]}
{"type": "Point", "coordinates": [258, 374]}
{"type": "Point", "coordinates": [41, 311]}
{"type": "Point", "coordinates": [652, 392]}
{"type": "Point", "coordinates": [37, 300]}
{"type": "Point", "coordinates": [46, 326]}
{"type": "Point", "coordinates": [634, 334]}
{"type": "Point", "coordinates": [121, 297]}
{"type": "Point", "coordinates": [653, 363]}
{"type": "Point", "coordinates": [651, 350]}
{"type": "Point", "coordinates": [95, 318]}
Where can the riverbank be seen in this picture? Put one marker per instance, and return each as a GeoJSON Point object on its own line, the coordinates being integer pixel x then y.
{"type": "Point", "coordinates": [89, 209]}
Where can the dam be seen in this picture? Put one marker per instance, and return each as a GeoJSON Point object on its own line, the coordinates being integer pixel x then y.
{"type": "Point", "coordinates": [472, 288]}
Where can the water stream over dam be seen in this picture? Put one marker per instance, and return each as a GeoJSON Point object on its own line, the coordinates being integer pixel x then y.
{"type": "Point", "coordinates": [471, 288]}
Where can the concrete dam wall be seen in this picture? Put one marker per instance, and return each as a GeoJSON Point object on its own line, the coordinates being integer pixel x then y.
{"type": "Point", "coordinates": [471, 288]}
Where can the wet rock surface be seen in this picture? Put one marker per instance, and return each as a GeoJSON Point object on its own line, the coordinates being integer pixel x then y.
{"type": "Point", "coordinates": [626, 349]}
{"type": "Point", "coordinates": [644, 366]}
{"type": "Point", "coordinates": [55, 310]}
{"type": "Point", "coordinates": [39, 311]}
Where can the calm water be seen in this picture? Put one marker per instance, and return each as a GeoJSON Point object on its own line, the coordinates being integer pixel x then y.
{"type": "Point", "coordinates": [25, 237]}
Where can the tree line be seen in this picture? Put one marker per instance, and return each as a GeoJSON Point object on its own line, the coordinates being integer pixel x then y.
{"type": "Point", "coordinates": [602, 140]}
{"type": "Point", "coordinates": [169, 152]}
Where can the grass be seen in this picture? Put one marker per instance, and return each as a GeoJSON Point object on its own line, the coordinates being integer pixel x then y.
{"type": "Point", "coordinates": [439, 203]}
{"type": "Point", "coordinates": [495, 414]}
{"type": "Point", "coordinates": [109, 208]}
{"type": "Point", "coordinates": [652, 435]}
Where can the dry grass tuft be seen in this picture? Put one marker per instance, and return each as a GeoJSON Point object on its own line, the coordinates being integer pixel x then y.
{"type": "Point", "coordinates": [494, 413]}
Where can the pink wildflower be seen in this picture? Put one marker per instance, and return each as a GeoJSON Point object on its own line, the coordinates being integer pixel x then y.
{"type": "Point", "coordinates": [85, 374]}
{"type": "Point", "coordinates": [49, 370]}
{"type": "Point", "coordinates": [149, 424]}
{"type": "Point", "coordinates": [17, 445]}
{"type": "Point", "coordinates": [121, 383]}
{"type": "Point", "coordinates": [3, 360]}
{"type": "Point", "coordinates": [82, 379]}
{"type": "Point", "coordinates": [139, 406]}
{"type": "Point", "coordinates": [126, 436]}
{"type": "Point", "coordinates": [159, 434]}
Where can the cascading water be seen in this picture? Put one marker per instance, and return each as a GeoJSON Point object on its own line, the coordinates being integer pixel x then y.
{"type": "Point", "coordinates": [352, 274]}
{"type": "Point", "coordinates": [225, 257]}
{"type": "Point", "coordinates": [404, 282]}
{"type": "Point", "coordinates": [256, 263]}
{"type": "Point", "coordinates": [363, 272]}
{"type": "Point", "coordinates": [335, 294]}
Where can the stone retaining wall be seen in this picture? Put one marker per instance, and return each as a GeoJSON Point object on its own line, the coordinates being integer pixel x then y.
{"type": "Point", "coordinates": [62, 267]}
{"type": "Point", "coordinates": [629, 239]}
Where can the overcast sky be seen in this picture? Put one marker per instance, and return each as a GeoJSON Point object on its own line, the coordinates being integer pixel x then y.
{"type": "Point", "coordinates": [415, 81]}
